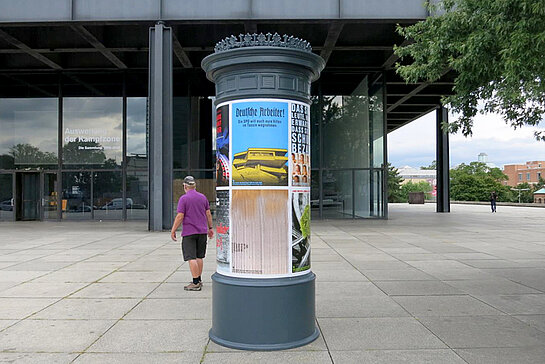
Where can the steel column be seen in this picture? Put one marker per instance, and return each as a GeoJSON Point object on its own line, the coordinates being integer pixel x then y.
{"type": "Point", "coordinates": [442, 161]}
{"type": "Point", "coordinates": [160, 127]}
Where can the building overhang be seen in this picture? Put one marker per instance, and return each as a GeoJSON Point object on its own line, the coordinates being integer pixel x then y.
{"type": "Point", "coordinates": [92, 45]}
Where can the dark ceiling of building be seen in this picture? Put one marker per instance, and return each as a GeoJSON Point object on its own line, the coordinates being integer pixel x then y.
{"type": "Point", "coordinates": [94, 58]}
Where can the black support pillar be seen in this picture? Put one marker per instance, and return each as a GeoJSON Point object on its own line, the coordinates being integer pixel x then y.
{"type": "Point", "coordinates": [442, 161]}
{"type": "Point", "coordinates": [160, 127]}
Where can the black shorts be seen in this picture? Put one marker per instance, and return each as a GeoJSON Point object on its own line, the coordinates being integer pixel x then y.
{"type": "Point", "coordinates": [194, 246]}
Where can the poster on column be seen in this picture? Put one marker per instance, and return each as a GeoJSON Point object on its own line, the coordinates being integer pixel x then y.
{"type": "Point", "coordinates": [263, 188]}
{"type": "Point", "coordinates": [300, 144]}
{"type": "Point", "coordinates": [260, 143]}
{"type": "Point", "coordinates": [222, 146]}
{"type": "Point", "coordinates": [260, 244]}
{"type": "Point", "coordinates": [300, 231]}
{"type": "Point", "coordinates": [223, 240]}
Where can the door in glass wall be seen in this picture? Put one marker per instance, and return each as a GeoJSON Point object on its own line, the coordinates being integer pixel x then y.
{"type": "Point", "coordinates": [49, 198]}
{"type": "Point", "coordinates": [6, 197]}
{"type": "Point", "coordinates": [76, 196]}
{"type": "Point", "coordinates": [27, 196]}
{"type": "Point", "coordinates": [108, 196]}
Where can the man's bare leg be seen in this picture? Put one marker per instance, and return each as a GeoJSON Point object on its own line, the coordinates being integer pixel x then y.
{"type": "Point", "coordinates": [201, 264]}
{"type": "Point", "coordinates": [194, 267]}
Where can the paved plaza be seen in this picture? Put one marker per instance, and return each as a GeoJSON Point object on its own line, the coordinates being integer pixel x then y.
{"type": "Point", "coordinates": [422, 287]}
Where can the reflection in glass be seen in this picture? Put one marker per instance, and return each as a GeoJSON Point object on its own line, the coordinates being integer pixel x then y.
{"type": "Point", "coordinates": [346, 129]}
{"type": "Point", "coordinates": [315, 119]}
{"type": "Point", "coordinates": [376, 114]}
{"type": "Point", "coordinates": [181, 114]}
{"type": "Point", "coordinates": [108, 196]}
{"type": "Point", "coordinates": [6, 197]}
{"type": "Point", "coordinates": [28, 133]}
{"type": "Point", "coordinates": [92, 131]}
{"type": "Point", "coordinates": [337, 194]}
{"type": "Point", "coordinates": [201, 137]}
{"type": "Point", "coordinates": [352, 140]}
{"type": "Point", "coordinates": [137, 195]}
{"type": "Point", "coordinates": [315, 194]}
{"type": "Point", "coordinates": [363, 193]}
{"type": "Point", "coordinates": [76, 196]}
{"type": "Point", "coordinates": [50, 196]}
{"type": "Point", "coordinates": [137, 153]}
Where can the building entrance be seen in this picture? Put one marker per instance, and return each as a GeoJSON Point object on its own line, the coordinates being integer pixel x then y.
{"type": "Point", "coordinates": [27, 196]}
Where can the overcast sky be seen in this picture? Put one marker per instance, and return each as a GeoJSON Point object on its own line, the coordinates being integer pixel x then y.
{"type": "Point", "coordinates": [414, 144]}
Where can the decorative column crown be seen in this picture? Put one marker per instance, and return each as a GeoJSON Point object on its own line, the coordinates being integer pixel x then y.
{"type": "Point", "coordinates": [262, 40]}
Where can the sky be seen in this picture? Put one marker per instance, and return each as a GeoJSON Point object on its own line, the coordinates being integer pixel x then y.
{"type": "Point", "coordinates": [414, 144]}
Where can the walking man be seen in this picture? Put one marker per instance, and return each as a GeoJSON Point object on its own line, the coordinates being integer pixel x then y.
{"type": "Point", "coordinates": [493, 198]}
{"type": "Point", "coordinates": [196, 220]}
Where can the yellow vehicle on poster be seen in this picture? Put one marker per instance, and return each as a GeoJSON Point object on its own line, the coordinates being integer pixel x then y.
{"type": "Point", "coordinates": [266, 165]}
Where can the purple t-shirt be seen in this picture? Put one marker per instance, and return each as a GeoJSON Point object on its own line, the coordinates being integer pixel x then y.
{"type": "Point", "coordinates": [194, 206]}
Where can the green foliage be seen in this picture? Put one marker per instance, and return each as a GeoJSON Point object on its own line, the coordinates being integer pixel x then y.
{"type": "Point", "coordinates": [394, 184]}
{"type": "Point", "coordinates": [410, 186]}
{"type": "Point", "coordinates": [31, 155]}
{"type": "Point", "coordinates": [525, 196]}
{"type": "Point", "coordinates": [305, 222]}
{"type": "Point", "coordinates": [496, 49]}
{"type": "Point", "coordinates": [431, 167]}
{"type": "Point", "coordinates": [540, 184]}
{"type": "Point", "coordinates": [475, 182]}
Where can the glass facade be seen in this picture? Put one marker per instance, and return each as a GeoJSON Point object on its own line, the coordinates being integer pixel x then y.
{"type": "Point", "coordinates": [78, 157]}
{"type": "Point", "coordinates": [193, 136]}
{"type": "Point", "coordinates": [84, 156]}
{"type": "Point", "coordinates": [6, 196]}
{"type": "Point", "coordinates": [348, 153]}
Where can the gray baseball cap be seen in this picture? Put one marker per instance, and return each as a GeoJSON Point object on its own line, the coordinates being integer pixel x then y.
{"type": "Point", "coordinates": [189, 180]}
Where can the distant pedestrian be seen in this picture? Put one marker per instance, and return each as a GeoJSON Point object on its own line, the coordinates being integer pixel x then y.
{"type": "Point", "coordinates": [196, 220]}
{"type": "Point", "coordinates": [493, 198]}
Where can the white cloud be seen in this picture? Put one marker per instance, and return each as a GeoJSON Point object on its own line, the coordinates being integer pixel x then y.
{"type": "Point", "coordinates": [414, 144]}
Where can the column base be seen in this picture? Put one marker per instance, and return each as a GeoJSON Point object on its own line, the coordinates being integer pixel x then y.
{"type": "Point", "coordinates": [263, 314]}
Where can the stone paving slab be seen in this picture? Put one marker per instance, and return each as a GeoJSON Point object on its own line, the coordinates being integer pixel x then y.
{"type": "Point", "coordinates": [428, 356]}
{"type": "Point", "coordinates": [422, 287]}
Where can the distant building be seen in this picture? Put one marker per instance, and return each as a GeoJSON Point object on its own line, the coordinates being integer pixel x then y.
{"type": "Point", "coordinates": [483, 158]}
{"type": "Point", "coordinates": [417, 175]}
{"type": "Point", "coordinates": [530, 172]}
{"type": "Point", "coordinates": [539, 196]}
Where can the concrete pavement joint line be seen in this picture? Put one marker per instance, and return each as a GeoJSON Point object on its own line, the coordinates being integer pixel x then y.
{"type": "Point", "coordinates": [403, 308]}
{"type": "Point", "coordinates": [76, 291]}
{"type": "Point", "coordinates": [513, 316]}
{"type": "Point", "coordinates": [61, 250]}
{"type": "Point", "coordinates": [204, 351]}
{"type": "Point", "coordinates": [131, 309]}
{"type": "Point", "coordinates": [325, 341]}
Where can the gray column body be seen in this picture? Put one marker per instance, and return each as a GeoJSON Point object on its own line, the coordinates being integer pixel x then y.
{"type": "Point", "coordinates": [263, 313]}
{"type": "Point", "coordinates": [442, 162]}
{"type": "Point", "coordinates": [160, 128]}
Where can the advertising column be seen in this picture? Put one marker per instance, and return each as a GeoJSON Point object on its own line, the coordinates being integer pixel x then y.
{"type": "Point", "coordinates": [263, 288]}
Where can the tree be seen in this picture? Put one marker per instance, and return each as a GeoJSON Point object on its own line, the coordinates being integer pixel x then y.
{"type": "Point", "coordinates": [431, 167]}
{"type": "Point", "coordinates": [475, 182]}
{"type": "Point", "coordinates": [526, 196]}
{"type": "Point", "coordinates": [83, 153]}
{"type": "Point", "coordinates": [25, 153]}
{"type": "Point", "coordinates": [394, 184]}
{"type": "Point", "coordinates": [496, 49]}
